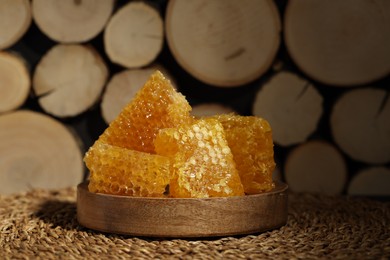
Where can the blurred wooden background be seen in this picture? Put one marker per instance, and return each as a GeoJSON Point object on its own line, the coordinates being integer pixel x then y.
{"type": "Point", "coordinates": [318, 71]}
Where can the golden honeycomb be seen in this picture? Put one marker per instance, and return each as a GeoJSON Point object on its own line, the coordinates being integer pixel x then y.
{"type": "Point", "coordinates": [156, 105]}
{"type": "Point", "coordinates": [120, 171]}
{"type": "Point", "coordinates": [250, 140]}
{"type": "Point", "coordinates": [203, 164]}
{"type": "Point", "coordinates": [155, 148]}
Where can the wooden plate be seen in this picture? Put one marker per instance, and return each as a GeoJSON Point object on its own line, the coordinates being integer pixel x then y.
{"type": "Point", "coordinates": [182, 217]}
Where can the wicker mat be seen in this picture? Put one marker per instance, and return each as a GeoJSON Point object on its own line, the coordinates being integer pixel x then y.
{"type": "Point", "coordinates": [43, 224]}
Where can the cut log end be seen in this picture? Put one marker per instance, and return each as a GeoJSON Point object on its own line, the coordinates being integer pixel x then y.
{"type": "Point", "coordinates": [15, 20]}
{"type": "Point", "coordinates": [37, 152]}
{"type": "Point", "coordinates": [360, 125]}
{"type": "Point", "coordinates": [316, 167]}
{"type": "Point", "coordinates": [372, 181]}
{"type": "Point", "coordinates": [223, 43]}
{"type": "Point", "coordinates": [134, 35]}
{"type": "Point", "coordinates": [339, 45]}
{"type": "Point", "coordinates": [71, 21]}
{"type": "Point", "coordinates": [69, 79]}
{"type": "Point", "coordinates": [292, 106]}
{"type": "Point", "coordinates": [14, 82]}
{"type": "Point", "coordinates": [210, 109]}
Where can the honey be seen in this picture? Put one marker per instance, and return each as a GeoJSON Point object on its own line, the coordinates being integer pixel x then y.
{"type": "Point", "coordinates": [203, 164]}
{"type": "Point", "coordinates": [120, 171]}
{"type": "Point", "coordinates": [156, 105]}
{"type": "Point", "coordinates": [250, 140]}
{"type": "Point", "coordinates": [155, 148]}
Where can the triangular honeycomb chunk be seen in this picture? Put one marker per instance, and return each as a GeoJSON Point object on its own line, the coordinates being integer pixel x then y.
{"type": "Point", "coordinates": [156, 105]}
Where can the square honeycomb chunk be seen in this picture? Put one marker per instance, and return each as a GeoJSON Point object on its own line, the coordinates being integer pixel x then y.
{"type": "Point", "coordinates": [250, 139]}
{"type": "Point", "coordinates": [120, 171]}
{"type": "Point", "coordinates": [203, 164]}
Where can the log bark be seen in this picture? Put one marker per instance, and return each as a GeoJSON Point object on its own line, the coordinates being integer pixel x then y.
{"type": "Point", "coordinates": [342, 43]}
{"type": "Point", "coordinates": [14, 81]}
{"type": "Point", "coordinates": [373, 181]}
{"type": "Point", "coordinates": [316, 167]}
{"type": "Point", "coordinates": [360, 124]}
{"type": "Point", "coordinates": [69, 79]}
{"type": "Point", "coordinates": [72, 21]}
{"type": "Point", "coordinates": [37, 151]}
{"type": "Point", "coordinates": [291, 105]}
{"type": "Point", "coordinates": [223, 43]}
{"type": "Point", "coordinates": [123, 86]}
{"type": "Point", "coordinates": [15, 19]}
{"type": "Point", "coordinates": [134, 35]}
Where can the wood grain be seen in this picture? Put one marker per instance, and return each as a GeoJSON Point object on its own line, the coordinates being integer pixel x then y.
{"type": "Point", "coordinates": [343, 43]}
{"type": "Point", "coordinates": [15, 19]}
{"type": "Point", "coordinates": [292, 105]}
{"type": "Point", "coordinates": [223, 43]}
{"type": "Point", "coordinates": [210, 109]}
{"type": "Point", "coordinates": [316, 167]}
{"type": "Point", "coordinates": [360, 124]}
{"type": "Point", "coordinates": [134, 36]}
{"type": "Point", "coordinates": [72, 21]}
{"type": "Point", "coordinates": [37, 151]}
{"type": "Point", "coordinates": [69, 79]}
{"type": "Point", "coordinates": [14, 81]}
{"type": "Point", "coordinates": [167, 217]}
{"type": "Point", "coordinates": [372, 181]}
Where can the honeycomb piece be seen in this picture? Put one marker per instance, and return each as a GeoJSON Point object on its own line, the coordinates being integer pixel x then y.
{"type": "Point", "coordinates": [203, 164]}
{"type": "Point", "coordinates": [250, 139]}
{"type": "Point", "coordinates": [156, 105]}
{"type": "Point", "coordinates": [120, 171]}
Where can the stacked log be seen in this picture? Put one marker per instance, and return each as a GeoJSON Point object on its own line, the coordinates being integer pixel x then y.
{"type": "Point", "coordinates": [342, 43]}
{"type": "Point", "coordinates": [71, 21]}
{"type": "Point", "coordinates": [15, 21]}
{"type": "Point", "coordinates": [373, 181]}
{"type": "Point", "coordinates": [360, 125]}
{"type": "Point", "coordinates": [37, 151]}
{"type": "Point", "coordinates": [14, 81]}
{"type": "Point", "coordinates": [69, 79]}
{"type": "Point", "coordinates": [292, 105]}
{"type": "Point", "coordinates": [134, 35]}
{"type": "Point", "coordinates": [316, 166]}
{"type": "Point", "coordinates": [320, 78]}
{"type": "Point", "coordinates": [223, 43]}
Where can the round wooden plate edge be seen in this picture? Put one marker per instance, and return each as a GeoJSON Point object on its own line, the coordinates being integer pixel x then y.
{"type": "Point", "coordinates": [182, 217]}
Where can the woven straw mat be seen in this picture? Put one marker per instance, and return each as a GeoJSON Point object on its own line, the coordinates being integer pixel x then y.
{"type": "Point", "coordinates": [42, 224]}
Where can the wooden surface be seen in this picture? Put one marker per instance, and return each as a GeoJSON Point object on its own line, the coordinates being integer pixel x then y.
{"type": "Point", "coordinates": [14, 81]}
{"type": "Point", "coordinates": [134, 35]}
{"type": "Point", "coordinates": [372, 181]}
{"type": "Point", "coordinates": [210, 109]}
{"type": "Point", "coordinates": [15, 19]}
{"type": "Point", "coordinates": [292, 105]}
{"type": "Point", "coordinates": [167, 217]}
{"type": "Point", "coordinates": [223, 43]}
{"type": "Point", "coordinates": [37, 151]}
{"type": "Point", "coordinates": [343, 43]}
{"type": "Point", "coordinates": [360, 124]}
{"type": "Point", "coordinates": [69, 79]}
{"type": "Point", "coordinates": [316, 167]}
{"type": "Point", "coordinates": [71, 21]}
